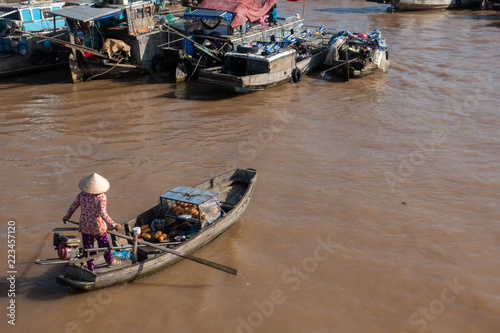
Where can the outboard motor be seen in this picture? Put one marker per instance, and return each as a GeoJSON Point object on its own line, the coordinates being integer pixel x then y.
{"type": "Point", "coordinates": [66, 246]}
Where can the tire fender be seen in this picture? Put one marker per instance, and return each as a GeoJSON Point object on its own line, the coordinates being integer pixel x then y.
{"type": "Point", "coordinates": [39, 57]}
{"type": "Point", "coordinates": [247, 48]}
{"type": "Point", "coordinates": [296, 75]}
{"type": "Point", "coordinates": [158, 62]}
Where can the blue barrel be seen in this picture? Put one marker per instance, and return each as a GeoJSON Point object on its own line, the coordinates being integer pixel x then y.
{"type": "Point", "coordinates": [188, 46]}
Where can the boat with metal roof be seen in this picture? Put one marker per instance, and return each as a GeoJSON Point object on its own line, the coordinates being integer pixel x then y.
{"type": "Point", "coordinates": [22, 49]}
{"type": "Point", "coordinates": [202, 35]}
{"type": "Point", "coordinates": [111, 40]}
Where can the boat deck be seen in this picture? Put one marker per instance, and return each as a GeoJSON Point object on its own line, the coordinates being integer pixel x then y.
{"type": "Point", "coordinates": [229, 195]}
{"type": "Point", "coordinates": [102, 267]}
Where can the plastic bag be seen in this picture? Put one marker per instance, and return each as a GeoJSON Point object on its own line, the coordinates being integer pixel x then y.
{"type": "Point", "coordinates": [122, 254]}
{"type": "Point", "coordinates": [211, 210]}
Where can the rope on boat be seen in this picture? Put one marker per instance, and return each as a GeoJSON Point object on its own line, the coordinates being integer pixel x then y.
{"type": "Point", "coordinates": [94, 76]}
{"type": "Point", "coordinates": [196, 67]}
{"type": "Point", "coordinates": [342, 64]}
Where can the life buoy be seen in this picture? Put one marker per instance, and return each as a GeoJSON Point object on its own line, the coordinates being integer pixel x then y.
{"type": "Point", "coordinates": [247, 48]}
{"type": "Point", "coordinates": [296, 75]}
{"type": "Point", "coordinates": [39, 57]}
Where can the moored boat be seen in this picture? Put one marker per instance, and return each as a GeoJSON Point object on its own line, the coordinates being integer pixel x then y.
{"type": "Point", "coordinates": [215, 27]}
{"type": "Point", "coordinates": [267, 64]}
{"type": "Point", "coordinates": [111, 40]}
{"type": "Point", "coordinates": [124, 39]}
{"type": "Point", "coordinates": [355, 55]}
{"type": "Point", "coordinates": [191, 217]}
{"type": "Point", "coordinates": [22, 50]}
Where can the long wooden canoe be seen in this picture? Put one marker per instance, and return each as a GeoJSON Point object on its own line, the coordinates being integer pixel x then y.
{"type": "Point", "coordinates": [233, 190]}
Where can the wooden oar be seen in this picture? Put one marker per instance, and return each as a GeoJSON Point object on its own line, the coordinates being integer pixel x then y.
{"type": "Point", "coordinates": [65, 229]}
{"type": "Point", "coordinates": [185, 256]}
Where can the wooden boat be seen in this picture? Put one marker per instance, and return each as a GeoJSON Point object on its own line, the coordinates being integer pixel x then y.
{"type": "Point", "coordinates": [414, 5]}
{"type": "Point", "coordinates": [22, 50]}
{"type": "Point", "coordinates": [111, 40]}
{"type": "Point", "coordinates": [221, 200]}
{"type": "Point", "coordinates": [356, 55]}
{"type": "Point", "coordinates": [150, 41]}
{"type": "Point", "coordinates": [250, 68]}
{"type": "Point", "coordinates": [201, 37]}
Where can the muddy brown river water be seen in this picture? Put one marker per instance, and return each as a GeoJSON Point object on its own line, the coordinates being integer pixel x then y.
{"type": "Point", "coordinates": [376, 207]}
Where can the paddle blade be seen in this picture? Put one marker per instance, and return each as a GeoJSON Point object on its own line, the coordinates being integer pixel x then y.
{"type": "Point", "coordinates": [211, 264]}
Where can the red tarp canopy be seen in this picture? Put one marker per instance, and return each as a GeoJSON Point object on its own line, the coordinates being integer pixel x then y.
{"type": "Point", "coordinates": [245, 10]}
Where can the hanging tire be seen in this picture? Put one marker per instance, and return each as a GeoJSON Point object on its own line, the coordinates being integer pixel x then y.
{"type": "Point", "coordinates": [247, 48]}
{"type": "Point", "coordinates": [296, 75]}
{"type": "Point", "coordinates": [39, 57]}
{"type": "Point", "coordinates": [158, 62]}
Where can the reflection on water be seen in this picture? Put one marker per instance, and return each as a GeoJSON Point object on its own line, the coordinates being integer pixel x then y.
{"type": "Point", "coordinates": [195, 90]}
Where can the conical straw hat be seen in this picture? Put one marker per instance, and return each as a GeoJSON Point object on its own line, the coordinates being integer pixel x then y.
{"type": "Point", "coordinates": [94, 184]}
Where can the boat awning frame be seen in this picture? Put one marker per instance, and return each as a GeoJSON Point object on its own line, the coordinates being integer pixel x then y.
{"type": "Point", "coordinates": [8, 13]}
{"type": "Point", "coordinates": [209, 14]}
{"type": "Point", "coordinates": [85, 13]}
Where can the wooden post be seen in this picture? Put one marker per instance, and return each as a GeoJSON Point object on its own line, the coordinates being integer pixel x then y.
{"type": "Point", "coordinates": [134, 249]}
{"type": "Point", "coordinates": [347, 63]}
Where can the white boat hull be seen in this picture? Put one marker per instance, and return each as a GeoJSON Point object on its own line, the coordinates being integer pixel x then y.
{"type": "Point", "coordinates": [412, 5]}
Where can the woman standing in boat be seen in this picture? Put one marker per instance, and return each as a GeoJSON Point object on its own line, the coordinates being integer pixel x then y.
{"type": "Point", "coordinates": [94, 220]}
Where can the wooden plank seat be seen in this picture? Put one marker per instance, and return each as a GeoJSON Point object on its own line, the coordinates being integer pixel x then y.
{"type": "Point", "coordinates": [147, 252]}
{"type": "Point", "coordinates": [226, 207]}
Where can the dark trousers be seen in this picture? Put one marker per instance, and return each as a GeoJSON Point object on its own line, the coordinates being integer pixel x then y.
{"type": "Point", "coordinates": [88, 243]}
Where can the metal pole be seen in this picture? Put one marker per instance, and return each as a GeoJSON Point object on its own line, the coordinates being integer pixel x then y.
{"type": "Point", "coordinates": [108, 248]}
{"type": "Point", "coordinates": [125, 247]}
